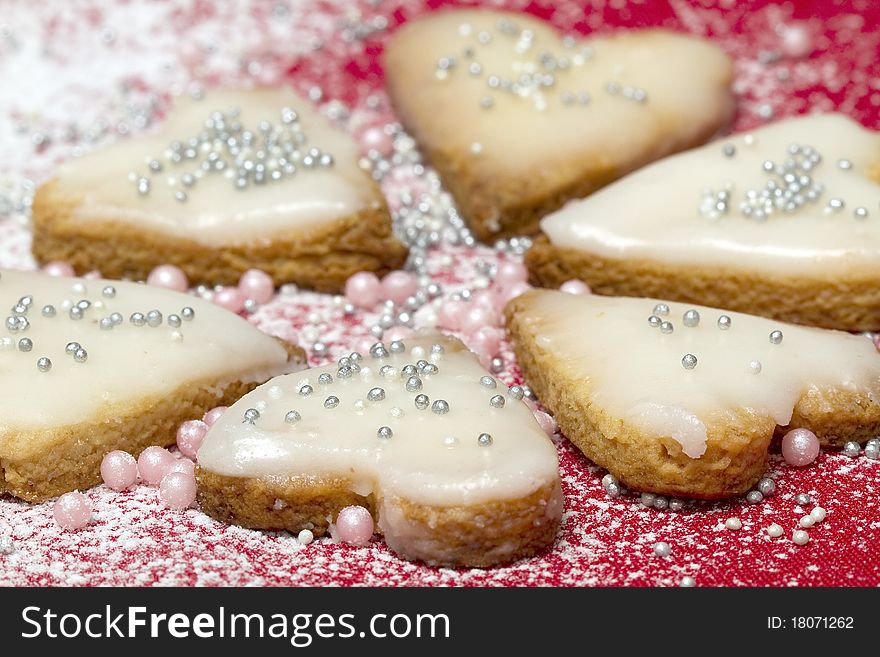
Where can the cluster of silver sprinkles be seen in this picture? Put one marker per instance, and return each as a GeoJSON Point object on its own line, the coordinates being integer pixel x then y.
{"type": "Point", "coordinates": [541, 77]}
{"type": "Point", "coordinates": [790, 187]}
{"type": "Point", "coordinates": [247, 156]}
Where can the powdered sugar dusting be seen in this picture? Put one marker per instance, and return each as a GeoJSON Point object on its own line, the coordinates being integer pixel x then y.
{"type": "Point", "coordinates": [84, 75]}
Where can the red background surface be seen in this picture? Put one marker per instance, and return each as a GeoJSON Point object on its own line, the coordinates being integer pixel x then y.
{"type": "Point", "coordinates": [135, 541]}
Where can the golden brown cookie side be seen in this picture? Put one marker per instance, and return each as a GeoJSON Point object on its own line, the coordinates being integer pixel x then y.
{"type": "Point", "coordinates": [736, 449]}
{"type": "Point", "coordinates": [318, 257]}
{"type": "Point", "coordinates": [848, 302]}
{"type": "Point", "coordinates": [479, 535]}
{"type": "Point", "coordinates": [38, 465]}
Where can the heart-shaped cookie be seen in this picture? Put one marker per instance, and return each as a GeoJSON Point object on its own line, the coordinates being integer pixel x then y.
{"type": "Point", "coordinates": [452, 464]}
{"type": "Point", "coordinates": [232, 181]}
{"type": "Point", "coordinates": [684, 400]}
{"type": "Point", "coordinates": [518, 120]}
{"type": "Point", "coordinates": [91, 366]}
{"type": "Point", "coordinates": [782, 222]}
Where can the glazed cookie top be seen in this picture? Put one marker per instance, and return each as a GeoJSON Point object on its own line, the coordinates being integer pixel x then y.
{"type": "Point", "coordinates": [800, 193]}
{"type": "Point", "coordinates": [421, 421]}
{"type": "Point", "coordinates": [674, 369]}
{"type": "Point", "coordinates": [509, 90]}
{"type": "Point", "coordinates": [229, 168]}
{"type": "Point", "coordinates": [75, 349]}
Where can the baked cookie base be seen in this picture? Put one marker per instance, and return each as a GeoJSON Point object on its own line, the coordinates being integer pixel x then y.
{"type": "Point", "coordinates": [736, 451]}
{"type": "Point", "coordinates": [849, 303]}
{"type": "Point", "coordinates": [479, 536]}
{"type": "Point", "coordinates": [319, 257]}
{"type": "Point", "coordinates": [41, 465]}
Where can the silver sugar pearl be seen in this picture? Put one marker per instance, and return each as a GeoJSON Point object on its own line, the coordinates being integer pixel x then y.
{"type": "Point", "coordinates": [80, 355]}
{"type": "Point", "coordinates": [516, 392]}
{"type": "Point", "coordinates": [755, 367]}
{"type": "Point", "coordinates": [376, 394]}
{"type": "Point", "coordinates": [724, 322]}
{"type": "Point", "coordinates": [775, 337]}
{"type": "Point", "coordinates": [251, 415]}
{"type": "Point", "coordinates": [71, 347]}
{"type": "Point", "coordinates": [44, 364]}
{"type": "Point", "coordinates": [25, 344]}
{"type": "Point", "coordinates": [661, 309]}
{"type": "Point", "coordinates": [767, 486]}
{"type": "Point", "coordinates": [106, 323]}
{"type": "Point", "coordinates": [137, 319]}
{"type": "Point", "coordinates": [75, 312]}
{"type": "Point", "coordinates": [860, 213]}
{"type": "Point", "coordinates": [755, 497]}
{"type": "Point", "coordinates": [487, 382]}
{"type": "Point", "coordinates": [109, 292]}
{"type": "Point", "coordinates": [691, 318]}
{"type": "Point", "coordinates": [384, 433]}
{"type": "Point", "coordinates": [331, 402]}
{"type": "Point", "coordinates": [689, 361]}
{"type": "Point", "coordinates": [174, 320]}
{"type": "Point", "coordinates": [154, 318]}
{"type": "Point", "coordinates": [397, 347]}
{"type": "Point", "coordinates": [422, 402]}
{"type": "Point", "coordinates": [484, 440]}
{"type": "Point", "coordinates": [729, 150]}
{"type": "Point", "coordinates": [292, 417]}
{"type": "Point", "coordinates": [48, 311]}
{"type": "Point", "coordinates": [666, 327]}
{"type": "Point", "coordinates": [413, 384]}
{"type": "Point", "coordinates": [497, 401]}
{"type": "Point", "coordinates": [188, 314]}
{"type": "Point", "coordinates": [654, 321]}
{"type": "Point", "coordinates": [662, 549]}
{"type": "Point", "coordinates": [440, 407]}
{"type": "Point", "coordinates": [852, 449]}
{"type": "Point", "coordinates": [325, 379]}
{"type": "Point", "coordinates": [305, 390]}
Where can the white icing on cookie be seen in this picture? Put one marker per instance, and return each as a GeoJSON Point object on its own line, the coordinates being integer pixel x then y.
{"type": "Point", "coordinates": [508, 91]}
{"type": "Point", "coordinates": [634, 370]}
{"type": "Point", "coordinates": [120, 365]}
{"type": "Point", "coordinates": [667, 211]}
{"type": "Point", "coordinates": [216, 212]}
{"type": "Point", "coordinates": [426, 457]}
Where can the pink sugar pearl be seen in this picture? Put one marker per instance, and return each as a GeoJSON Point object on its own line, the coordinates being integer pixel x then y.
{"type": "Point", "coordinates": [510, 273]}
{"type": "Point", "coordinates": [548, 424]}
{"type": "Point", "coordinates": [513, 292]}
{"type": "Point", "coordinates": [451, 314]}
{"type": "Point", "coordinates": [119, 470]}
{"type": "Point", "coordinates": [363, 289]}
{"type": "Point", "coordinates": [800, 447]}
{"type": "Point", "coordinates": [398, 285]}
{"type": "Point", "coordinates": [375, 138]}
{"type": "Point", "coordinates": [796, 42]}
{"type": "Point", "coordinates": [230, 298]}
{"type": "Point", "coordinates": [398, 333]}
{"type": "Point", "coordinates": [184, 466]}
{"type": "Point", "coordinates": [178, 490]}
{"type": "Point", "coordinates": [73, 510]}
{"type": "Point", "coordinates": [153, 464]}
{"type": "Point", "coordinates": [575, 286]}
{"type": "Point", "coordinates": [485, 342]}
{"type": "Point", "coordinates": [257, 285]}
{"type": "Point", "coordinates": [58, 268]}
{"type": "Point", "coordinates": [477, 317]}
{"type": "Point", "coordinates": [354, 525]}
{"type": "Point", "coordinates": [190, 436]}
{"type": "Point", "coordinates": [171, 277]}
{"type": "Point", "coordinates": [213, 415]}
